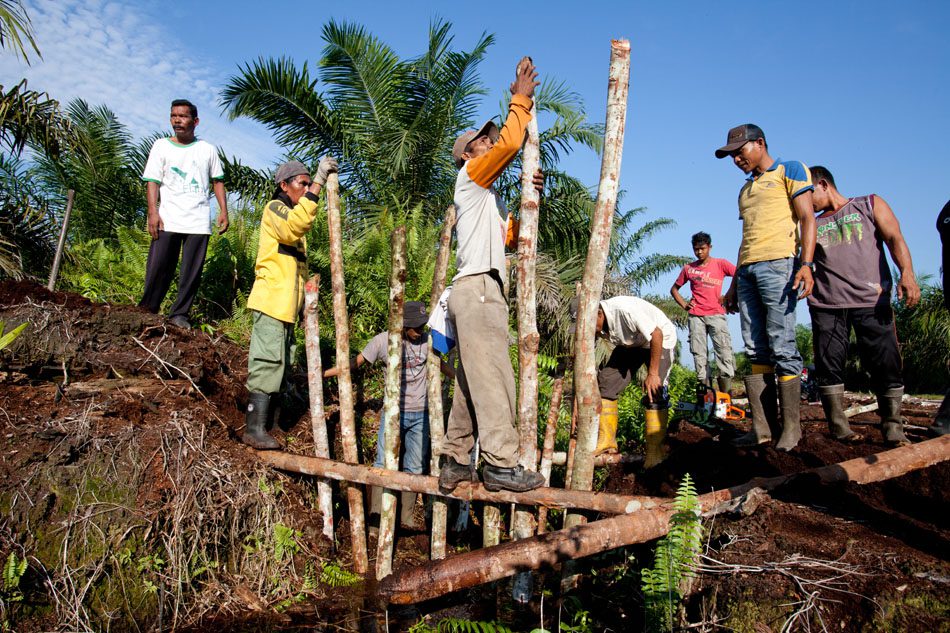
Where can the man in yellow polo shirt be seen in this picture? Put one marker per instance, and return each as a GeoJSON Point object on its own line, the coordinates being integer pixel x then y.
{"type": "Point", "coordinates": [774, 270]}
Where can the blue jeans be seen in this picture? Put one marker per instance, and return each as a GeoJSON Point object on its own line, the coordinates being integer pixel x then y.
{"type": "Point", "coordinates": [767, 312]}
{"type": "Point", "coordinates": [414, 433]}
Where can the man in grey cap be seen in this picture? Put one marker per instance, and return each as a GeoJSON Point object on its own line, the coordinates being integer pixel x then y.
{"type": "Point", "coordinates": [484, 402]}
{"type": "Point", "coordinates": [773, 271]}
{"type": "Point", "coordinates": [277, 295]}
{"type": "Point", "coordinates": [413, 410]}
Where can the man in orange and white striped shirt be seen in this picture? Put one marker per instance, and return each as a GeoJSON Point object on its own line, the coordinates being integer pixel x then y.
{"type": "Point", "coordinates": [484, 402]}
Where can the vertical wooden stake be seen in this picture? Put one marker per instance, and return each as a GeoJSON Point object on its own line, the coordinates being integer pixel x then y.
{"type": "Point", "coordinates": [391, 401]}
{"type": "Point", "coordinates": [585, 370]}
{"type": "Point", "coordinates": [434, 387]}
{"type": "Point", "coordinates": [321, 442]}
{"type": "Point", "coordinates": [528, 340]}
{"type": "Point", "coordinates": [58, 258]}
{"type": "Point", "coordinates": [547, 452]}
{"type": "Point", "coordinates": [354, 493]}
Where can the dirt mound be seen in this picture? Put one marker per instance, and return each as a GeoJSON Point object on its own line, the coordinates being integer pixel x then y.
{"type": "Point", "coordinates": [124, 487]}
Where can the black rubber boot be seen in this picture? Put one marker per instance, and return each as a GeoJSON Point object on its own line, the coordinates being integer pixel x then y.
{"type": "Point", "coordinates": [942, 421]}
{"type": "Point", "coordinates": [516, 479]}
{"type": "Point", "coordinates": [790, 397]}
{"type": "Point", "coordinates": [407, 511]}
{"type": "Point", "coordinates": [892, 424]}
{"type": "Point", "coordinates": [761, 393]}
{"type": "Point", "coordinates": [832, 401]}
{"type": "Point", "coordinates": [255, 435]}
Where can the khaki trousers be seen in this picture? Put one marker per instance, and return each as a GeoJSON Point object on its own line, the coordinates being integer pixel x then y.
{"type": "Point", "coordinates": [484, 401]}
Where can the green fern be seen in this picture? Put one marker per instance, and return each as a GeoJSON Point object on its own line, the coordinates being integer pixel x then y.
{"type": "Point", "coordinates": [285, 542]}
{"type": "Point", "coordinates": [675, 554]}
{"type": "Point", "coordinates": [335, 576]}
{"type": "Point", "coordinates": [454, 625]}
{"type": "Point", "coordinates": [13, 572]}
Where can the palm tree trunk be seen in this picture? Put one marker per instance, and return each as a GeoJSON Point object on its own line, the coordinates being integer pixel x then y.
{"type": "Point", "coordinates": [391, 398]}
{"type": "Point", "coordinates": [321, 442]}
{"type": "Point", "coordinates": [528, 340]}
{"type": "Point", "coordinates": [585, 375]}
{"type": "Point", "coordinates": [347, 415]}
{"type": "Point", "coordinates": [434, 386]}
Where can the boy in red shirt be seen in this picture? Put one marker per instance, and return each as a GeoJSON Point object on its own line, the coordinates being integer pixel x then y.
{"type": "Point", "coordinates": [707, 316]}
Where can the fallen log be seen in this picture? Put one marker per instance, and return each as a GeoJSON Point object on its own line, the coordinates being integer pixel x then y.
{"type": "Point", "coordinates": [395, 480]}
{"type": "Point", "coordinates": [138, 386]}
{"type": "Point", "coordinates": [850, 412]}
{"type": "Point", "coordinates": [559, 458]}
{"type": "Point", "coordinates": [486, 565]}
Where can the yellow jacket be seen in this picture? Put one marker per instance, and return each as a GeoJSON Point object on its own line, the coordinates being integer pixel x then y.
{"type": "Point", "coordinates": [281, 267]}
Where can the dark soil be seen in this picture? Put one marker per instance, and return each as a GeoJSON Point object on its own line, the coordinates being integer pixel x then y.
{"type": "Point", "coordinates": [883, 547]}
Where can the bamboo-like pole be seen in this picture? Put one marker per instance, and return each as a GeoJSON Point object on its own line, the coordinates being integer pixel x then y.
{"type": "Point", "coordinates": [58, 258]}
{"type": "Point", "coordinates": [321, 442]}
{"type": "Point", "coordinates": [585, 371]}
{"type": "Point", "coordinates": [523, 524]}
{"type": "Point", "coordinates": [391, 398]}
{"type": "Point", "coordinates": [551, 497]}
{"type": "Point", "coordinates": [547, 451]}
{"type": "Point", "coordinates": [434, 386]}
{"type": "Point", "coordinates": [347, 414]}
{"type": "Point", "coordinates": [488, 565]}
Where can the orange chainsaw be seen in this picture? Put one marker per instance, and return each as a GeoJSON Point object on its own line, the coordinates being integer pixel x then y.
{"type": "Point", "coordinates": [710, 410]}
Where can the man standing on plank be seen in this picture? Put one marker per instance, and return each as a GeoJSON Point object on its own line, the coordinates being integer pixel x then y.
{"type": "Point", "coordinates": [853, 292]}
{"type": "Point", "coordinates": [707, 316]}
{"type": "Point", "coordinates": [776, 212]}
{"type": "Point", "coordinates": [484, 401]}
{"type": "Point", "coordinates": [180, 173]}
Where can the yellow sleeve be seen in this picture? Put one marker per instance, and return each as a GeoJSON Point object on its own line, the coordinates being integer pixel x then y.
{"type": "Point", "coordinates": [290, 225]}
{"type": "Point", "coordinates": [486, 168]}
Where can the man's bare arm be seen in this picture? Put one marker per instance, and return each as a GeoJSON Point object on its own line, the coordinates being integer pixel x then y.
{"type": "Point", "coordinates": [809, 236]}
{"type": "Point", "coordinates": [890, 228]}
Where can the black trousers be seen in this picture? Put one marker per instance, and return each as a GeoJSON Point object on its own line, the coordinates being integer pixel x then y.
{"type": "Point", "coordinates": [160, 270]}
{"type": "Point", "coordinates": [876, 339]}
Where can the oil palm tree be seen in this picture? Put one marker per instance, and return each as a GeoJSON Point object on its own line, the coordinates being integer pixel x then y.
{"type": "Point", "coordinates": [16, 30]}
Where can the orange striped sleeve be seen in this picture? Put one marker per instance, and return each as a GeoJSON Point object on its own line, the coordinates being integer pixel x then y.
{"type": "Point", "coordinates": [486, 168]}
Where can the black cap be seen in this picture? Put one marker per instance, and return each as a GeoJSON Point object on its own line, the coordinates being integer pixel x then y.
{"type": "Point", "coordinates": [414, 314]}
{"type": "Point", "coordinates": [739, 136]}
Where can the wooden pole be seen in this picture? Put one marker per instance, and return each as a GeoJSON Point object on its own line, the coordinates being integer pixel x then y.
{"type": "Point", "coordinates": [391, 399]}
{"type": "Point", "coordinates": [321, 442]}
{"type": "Point", "coordinates": [347, 414]}
{"type": "Point", "coordinates": [425, 484]}
{"type": "Point", "coordinates": [524, 524]}
{"type": "Point", "coordinates": [547, 451]}
{"type": "Point", "coordinates": [586, 393]}
{"type": "Point", "coordinates": [434, 386]}
{"type": "Point", "coordinates": [488, 565]}
{"type": "Point", "coordinates": [58, 258]}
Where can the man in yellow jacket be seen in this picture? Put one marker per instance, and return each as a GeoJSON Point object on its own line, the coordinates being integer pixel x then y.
{"type": "Point", "coordinates": [277, 296]}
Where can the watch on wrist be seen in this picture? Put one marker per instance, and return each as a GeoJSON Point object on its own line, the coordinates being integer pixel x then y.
{"type": "Point", "coordinates": [809, 265]}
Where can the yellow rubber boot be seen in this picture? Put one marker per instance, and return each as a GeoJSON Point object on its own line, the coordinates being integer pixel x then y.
{"type": "Point", "coordinates": [607, 432]}
{"type": "Point", "coordinates": [655, 434]}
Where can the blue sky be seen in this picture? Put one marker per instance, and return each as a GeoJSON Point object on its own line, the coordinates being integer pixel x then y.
{"type": "Point", "coordinates": [860, 87]}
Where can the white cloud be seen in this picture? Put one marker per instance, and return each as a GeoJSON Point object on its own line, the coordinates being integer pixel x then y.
{"type": "Point", "coordinates": [113, 53]}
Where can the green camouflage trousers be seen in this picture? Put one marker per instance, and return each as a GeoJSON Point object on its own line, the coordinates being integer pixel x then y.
{"type": "Point", "coordinates": [270, 355]}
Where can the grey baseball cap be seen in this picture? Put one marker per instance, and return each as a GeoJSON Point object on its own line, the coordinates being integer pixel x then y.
{"type": "Point", "coordinates": [290, 169]}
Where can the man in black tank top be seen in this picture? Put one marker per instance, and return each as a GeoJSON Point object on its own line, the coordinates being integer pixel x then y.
{"type": "Point", "coordinates": [853, 291]}
{"type": "Point", "coordinates": [942, 423]}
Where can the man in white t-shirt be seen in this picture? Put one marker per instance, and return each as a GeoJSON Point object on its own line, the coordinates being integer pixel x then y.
{"type": "Point", "coordinates": [180, 174]}
{"type": "Point", "coordinates": [642, 335]}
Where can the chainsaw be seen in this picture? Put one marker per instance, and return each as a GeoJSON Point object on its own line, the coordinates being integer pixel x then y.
{"type": "Point", "coordinates": [711, 410]}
